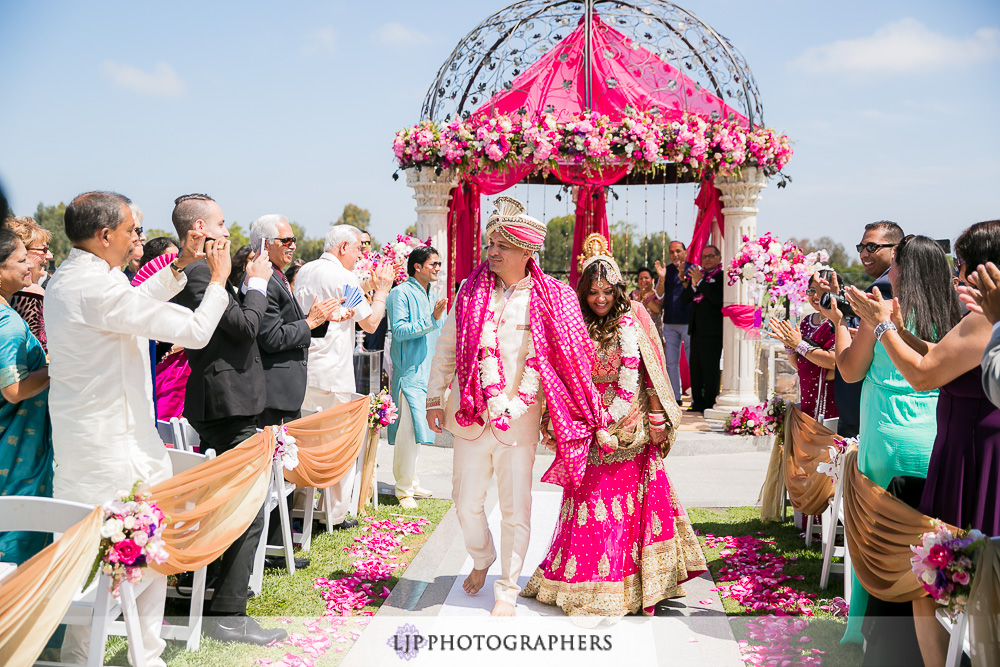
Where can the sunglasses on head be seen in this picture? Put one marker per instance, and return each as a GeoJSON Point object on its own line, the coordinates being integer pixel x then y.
{"type": "Point", "coordinates": [871, 247]}
{"type": "Point", "coordinates": [286, 241]}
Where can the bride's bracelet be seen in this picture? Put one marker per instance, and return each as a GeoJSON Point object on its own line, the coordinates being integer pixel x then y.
{"type": "Point", "coordinates": [657, 421]}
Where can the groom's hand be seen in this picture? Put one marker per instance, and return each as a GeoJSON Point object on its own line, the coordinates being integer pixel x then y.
{"type": "Point", "coordinates": [435, 419]}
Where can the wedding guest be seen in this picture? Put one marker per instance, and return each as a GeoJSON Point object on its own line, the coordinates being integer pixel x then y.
{"type": "Point", "coordinates": [876, 248]}
{"type": "Point", "coordinates": [623, 542]}
{"type": "Point", "coordinates": [810, 347]}
{"type": "Point", "coordinates": [704, 293]}
{"type": "Point", "coordinates": [416, 315]}
{"type": "Point", "coordinates": [133, 263]}
{"type": "Point", "coordinates": [161, 245]}
{"type": "Point", "coordinates": [646, 295]}
{"type": "Point", "coordinates": [103, 430]}
{"type": "Point", "coordinates": [25, 434]}
{"type": "Point", "coordinates": [240, 260]}
{"type": "Point", "coordinates": [293, 270]}
{"type": "Point", "coordinates": [330, 372]}
{"type": "Point", "coordinates": [899, 423]}
{"type": "Point", "coordinates": [28, 302]}
{"type": "Point", "coordinates": [225, 392]}
{"type": "Point", "coordinates": [676, 312]}
{"type": "Point", "coordinates": [963, 477]}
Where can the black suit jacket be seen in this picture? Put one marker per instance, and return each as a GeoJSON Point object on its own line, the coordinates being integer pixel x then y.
{"type": "Point", "coordinates": [847, 395]}
{"type": "Point", "coordinates": [706, 315]}
{"type": "Point", "coordinates": [284, 339]}
{"type": "Point", "coordinates": [227, 376]}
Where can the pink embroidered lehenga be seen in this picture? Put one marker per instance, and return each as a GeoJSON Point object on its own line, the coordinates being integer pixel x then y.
{"type": "Point", "coordinates": [623, 541]}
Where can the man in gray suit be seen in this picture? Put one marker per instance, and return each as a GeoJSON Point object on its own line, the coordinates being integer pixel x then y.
{"type": "Point", "coordinates": [983, 296]}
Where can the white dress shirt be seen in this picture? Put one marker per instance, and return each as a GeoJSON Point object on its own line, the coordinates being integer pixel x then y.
{"type": "Point", "coordinates": [101, 395]}
{"type": "Point", "coordinates": [331, 358]}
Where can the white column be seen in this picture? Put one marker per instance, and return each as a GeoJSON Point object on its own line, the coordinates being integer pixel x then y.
{"type": "Point", "coordinates": [740, 195]}
{"type": "Point", "coordinates": [433, 192]}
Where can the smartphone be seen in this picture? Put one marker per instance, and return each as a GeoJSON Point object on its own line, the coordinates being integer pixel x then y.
{"type": "Point", "coordinates": [263, 243]}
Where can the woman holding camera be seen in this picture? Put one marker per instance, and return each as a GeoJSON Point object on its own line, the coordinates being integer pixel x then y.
{"type": "Point", "coordinates": [898, 422]}
{"type": "Point", "coordinates": [963, 478]}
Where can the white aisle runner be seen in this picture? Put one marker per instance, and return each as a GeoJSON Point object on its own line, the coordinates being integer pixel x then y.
{"type": "Point", "coordinates": [693, 630]}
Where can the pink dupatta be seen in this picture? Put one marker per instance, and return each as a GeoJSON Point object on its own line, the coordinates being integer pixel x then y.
{"type": "Point", "coordinates": [564, 358]}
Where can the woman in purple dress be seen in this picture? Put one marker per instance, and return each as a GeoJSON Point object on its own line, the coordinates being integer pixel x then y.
{"type": "Point", "coordinates": [963, 478]}
{"type": "Point", "coordinates": [810, 348]}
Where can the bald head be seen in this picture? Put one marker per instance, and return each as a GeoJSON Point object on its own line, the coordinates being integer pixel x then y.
{"type": "Point", "coordinates": [188, 209]}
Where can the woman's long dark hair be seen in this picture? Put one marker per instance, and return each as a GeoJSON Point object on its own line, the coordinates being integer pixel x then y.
{"type": "Point", "coordinates": [9, 242]}
{"type": "Point", "coordinates": [979, 244]}
{"type": "Point", "coordinates": [602, 330]}
{"type": "Point", "coordinates": [927, 297]}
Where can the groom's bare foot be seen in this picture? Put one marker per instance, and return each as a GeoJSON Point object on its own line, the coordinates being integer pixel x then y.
{"type": "Point", "coordinates": [475, 581]}
{"type": "Point", "coordinates": [502, 609]}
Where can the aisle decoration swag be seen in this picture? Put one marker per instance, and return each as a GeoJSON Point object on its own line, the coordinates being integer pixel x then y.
{"type": "Point", "coordinates": [131, 537]}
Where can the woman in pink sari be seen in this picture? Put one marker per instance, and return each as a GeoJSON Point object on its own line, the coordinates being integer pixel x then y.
{"type": "Point", "coordinates": [623, 541]}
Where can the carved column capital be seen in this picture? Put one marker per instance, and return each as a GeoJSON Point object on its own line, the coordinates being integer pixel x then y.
{"type": "Point", "coordinates": [741, 192]}
{"type": "Point", "coordinates": [432, 191]}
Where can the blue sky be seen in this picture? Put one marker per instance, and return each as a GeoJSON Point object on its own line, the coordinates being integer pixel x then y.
{"type": "Point", "coordinates": [291, 107]}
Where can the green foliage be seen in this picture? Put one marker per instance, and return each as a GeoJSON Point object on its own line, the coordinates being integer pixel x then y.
{"type": "Point", "coordinates": [558, 246]}
{"type": "Point", "coordinates": [51, 218]}
{"type": "Point", "coordinates": [632, 251]}
{"type": "Point", "coordinates": [237, 237]}
{"type": "Point", "coordinates": [410, 231]}
{"type": "Point", "coordinates": [849, 270]}
{"type": "Point", "coordinates": [306, 248]}
{"type": "Point", "coordinates": [156, 233]}
{"type": "Point", "coordinates": [355, 215]}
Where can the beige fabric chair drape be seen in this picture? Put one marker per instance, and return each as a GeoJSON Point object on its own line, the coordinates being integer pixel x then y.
{"type": "Point", "coordinates": [803, 444]}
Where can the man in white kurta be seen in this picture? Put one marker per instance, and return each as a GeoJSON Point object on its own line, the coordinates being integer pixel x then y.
{"type": "Point", "coordinates": [330, 369]}
{"type": "Point", "coordinates": [100, 398]}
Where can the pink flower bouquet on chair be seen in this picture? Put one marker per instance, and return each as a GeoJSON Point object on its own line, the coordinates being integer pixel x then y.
{"type": "Point", "coordinates": [131, 537]}
{"type": "Point", "coordinates": [945, 565]}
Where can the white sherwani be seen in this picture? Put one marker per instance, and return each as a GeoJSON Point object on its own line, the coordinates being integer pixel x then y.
{"type": "Point", "coordinates": [481, 450]}
{"type": "Point", "coordinates": [101, 395]}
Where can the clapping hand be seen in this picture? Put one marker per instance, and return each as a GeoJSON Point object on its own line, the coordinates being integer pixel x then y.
{"type": "Point", "coordinates": [321, 312]}
{"type": "Point", "coordinates": [983, 293]}
{"type": "Point", "coordinates": [871, 308]}
{"type": "Point", "coordinates": [784, 331]}
{"type": "Point", "coordinates": [340, 313]}
{"type": "Point", "coordinates": [383, 276]}
{"type": "Point", "coordinates": [661, 270]}
{"type": "Point", "coordinates": [439, 308]}
{"type": "Point", "coordinates": [696, 275]}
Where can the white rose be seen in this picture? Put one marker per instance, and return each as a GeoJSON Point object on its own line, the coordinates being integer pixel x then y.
{"type": "Point", "coordinates": [129, 522]}
{"type": "Point", "coordinates": [111, 527]}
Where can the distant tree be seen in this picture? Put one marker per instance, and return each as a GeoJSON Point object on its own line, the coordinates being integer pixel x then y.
{"type": "Point", "coordinates": [632, 251]}
{"type": "Point", "coordinates": [849, 270]}
{"type": "Point", "coordinates": [306, 248]}
{"type": "Point", "coordinates": [155, 233]}
{"type": "Point", "coordinates": [558, 246]}
{"type": "Point", "coordinates": [51, 218]}
{"type": "Point", "coordinates": [411, 230]}
{"type": "Point", "coordinates": [237, 237]}
{"type": "Point", "coordinates": [355, 215]}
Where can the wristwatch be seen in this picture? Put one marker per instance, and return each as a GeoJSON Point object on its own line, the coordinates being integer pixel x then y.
{"type": "Point", "coordinates": [882, 327]}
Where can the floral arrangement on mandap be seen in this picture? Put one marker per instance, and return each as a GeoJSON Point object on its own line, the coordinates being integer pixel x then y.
{"type": "Point", "coordinates": [398, 252]}
{"type": "Point", "coordinates": [131, 537]}
{"type": "Point", "coordinates": [381, 410]}
{"type": "Point", "coordinates": [945, 565]}
{"type": "Point", "coordinates": [765, 419]}
{"type": "Point", "coordinates": [774, 270]}
{"type": "Point", "coordinates": [643, 141]}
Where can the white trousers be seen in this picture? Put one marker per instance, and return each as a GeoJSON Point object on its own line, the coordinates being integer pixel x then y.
{"type": "Point", "coordinates": [149, 603]}
{"type": "Point", "coordinates": [405, 451]}
{"type": "Point", "coordinates": [340, 493]}
{"type": "Point", "coordinates": [474, 464]}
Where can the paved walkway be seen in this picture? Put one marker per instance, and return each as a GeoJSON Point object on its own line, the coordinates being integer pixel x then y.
{"type": "Point", "coordinates": [429, 600]}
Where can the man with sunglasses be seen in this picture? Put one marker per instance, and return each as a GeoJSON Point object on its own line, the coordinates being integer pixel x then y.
{"type": "Point", "coordinates": [876, 248]}
{"type": "Point", "coordinates": [416, 315]}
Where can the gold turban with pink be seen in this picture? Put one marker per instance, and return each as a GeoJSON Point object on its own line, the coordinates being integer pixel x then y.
{"type": "Point", "coordinates": [510, 220]}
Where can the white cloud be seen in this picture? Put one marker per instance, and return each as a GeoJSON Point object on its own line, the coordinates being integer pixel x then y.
{"type": "Point", "coordinates": [320, 40]}
{"type": "Point", "coordinates": [901, 47]}
{"type": "Point", "coordinates": [162, 81]}
{"type": "Point", "coordinates": [397, 34]}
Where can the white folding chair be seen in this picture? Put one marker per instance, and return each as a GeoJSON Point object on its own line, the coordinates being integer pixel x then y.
{"type": "Point", "coordinates": [94, 606]}
{"type": "Point", "coordinates": [833, 527]}
{"type": "Point", "coordinates": [192, 441]}
{"type": "Point", "coordinates": [190, 633]}
{"type": "Point", "coordinates": [166, 431]}
{"type": "Point", "coordinates": [178, 434]}
{"type": "Point", "coordinates": [276, 497]}
{"type": "Point", "coordinates": [958, 630]}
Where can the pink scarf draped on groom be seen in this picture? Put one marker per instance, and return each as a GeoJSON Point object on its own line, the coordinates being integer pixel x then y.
{"type": "Point", "coordinates": [564, 357]}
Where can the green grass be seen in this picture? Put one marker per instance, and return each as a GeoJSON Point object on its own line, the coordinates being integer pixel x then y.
{"type": "Point", "coordinates": [824, 629]}
{"type": "Point", "coordinates": [285, 596]}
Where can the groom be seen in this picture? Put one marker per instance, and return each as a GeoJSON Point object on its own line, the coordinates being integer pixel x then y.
{"type": "Point", "coordinates": [516, 348]}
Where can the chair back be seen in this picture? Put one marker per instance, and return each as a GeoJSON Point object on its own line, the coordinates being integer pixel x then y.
{"type": "Point", "coordinates": [182, 461]}
{"type": "Point", "coordinates": [166, 431]}
{"type": "Point", "coordinates": [40, 515]}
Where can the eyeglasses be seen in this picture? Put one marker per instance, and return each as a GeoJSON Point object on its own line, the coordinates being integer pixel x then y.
{"type": "Point", "coordinates": [710, 255]}
{"type": "Point", "coordinates": [366, 244]}
{"type": "Point", "coordinates": [871, 247]}
{"type": "Point", "coordinates": [137, 231]}
{"type": "Point", "coordinates": [44, 250]}
{"type": "Point", "coordinates": [811, 291]}
{"type": "Point", "coordinates": [435, 265]}
{"type": "Point", "coordinates": [286, 241]}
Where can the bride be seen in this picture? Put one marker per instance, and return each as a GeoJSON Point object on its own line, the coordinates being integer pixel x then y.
{"type": "Point", "coordinates": [623, 542]}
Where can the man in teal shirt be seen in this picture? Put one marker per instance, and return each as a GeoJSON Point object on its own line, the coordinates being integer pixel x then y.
{"type": "Point", "coordinates": [416, 315]}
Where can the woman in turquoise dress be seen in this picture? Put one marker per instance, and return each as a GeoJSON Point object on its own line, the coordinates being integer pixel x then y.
{"type": "Point", "coordinates": [25, 433]}
{"type": "Point", "coordinates": [898, 423]}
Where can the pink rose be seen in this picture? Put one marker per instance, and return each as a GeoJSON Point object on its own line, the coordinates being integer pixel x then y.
{"type": "Point", "coordinates": [961, 577]}
{"type": "Point", "coordinates": [939, 556]}
{"type": "Point", "coordinates": [127, 551]}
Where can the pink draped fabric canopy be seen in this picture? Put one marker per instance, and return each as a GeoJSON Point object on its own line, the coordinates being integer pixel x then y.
{"type": "Point", "coordinates": [623, 74]}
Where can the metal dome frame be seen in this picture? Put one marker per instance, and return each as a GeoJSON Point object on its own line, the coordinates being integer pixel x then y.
{"type": "Point", "coordinates": [503, 46]}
